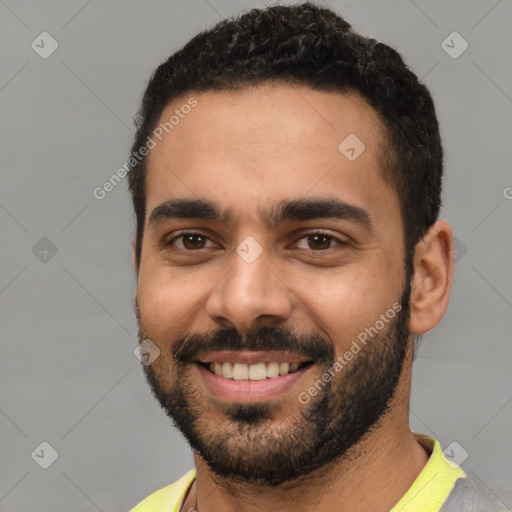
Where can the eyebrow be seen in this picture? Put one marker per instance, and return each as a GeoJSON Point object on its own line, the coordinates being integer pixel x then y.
{"type": "Point", "coordinates": [286, 210]}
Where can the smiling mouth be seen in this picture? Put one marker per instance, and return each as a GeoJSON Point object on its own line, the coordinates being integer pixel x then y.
{"type": "Point", "coordinates": [253, 372]}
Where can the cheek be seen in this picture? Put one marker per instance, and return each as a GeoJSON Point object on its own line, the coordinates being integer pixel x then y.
{"type": "Point", "coordinates": [167, 300]}
{"type": "Point", "coordinates": [343, 303]}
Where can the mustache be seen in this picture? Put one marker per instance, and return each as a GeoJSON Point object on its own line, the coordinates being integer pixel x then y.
{"type": "Point", "coordinates": [312, 346]}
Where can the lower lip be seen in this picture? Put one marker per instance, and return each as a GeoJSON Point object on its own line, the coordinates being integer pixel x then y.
{"type": "Point", "coordinates": [250, 390]}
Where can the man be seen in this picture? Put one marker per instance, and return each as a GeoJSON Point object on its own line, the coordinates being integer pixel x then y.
{"type": "Point", "coordinates": [286, 178]}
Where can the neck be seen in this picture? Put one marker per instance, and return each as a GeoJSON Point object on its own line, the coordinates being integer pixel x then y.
{"type": "Point", "coordinates": [376, 474]}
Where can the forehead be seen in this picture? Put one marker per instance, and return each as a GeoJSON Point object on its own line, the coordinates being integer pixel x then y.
{"type": "Point", "coordinates": [263, 143]}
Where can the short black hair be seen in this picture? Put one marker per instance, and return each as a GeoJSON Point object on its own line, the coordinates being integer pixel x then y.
{"type": "Point", "coordinates": [309, 45]}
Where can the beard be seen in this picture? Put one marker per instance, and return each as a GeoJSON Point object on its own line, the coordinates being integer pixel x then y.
{"type": "Point", "coordinates": [281, 441]}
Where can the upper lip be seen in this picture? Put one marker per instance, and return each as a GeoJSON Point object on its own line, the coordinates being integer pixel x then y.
{"type": "Point", "coordinates": [251, 357]}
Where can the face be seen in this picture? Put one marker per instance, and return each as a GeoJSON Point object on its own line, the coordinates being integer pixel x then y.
{"type": "Point", "coordinates": [272, 279]}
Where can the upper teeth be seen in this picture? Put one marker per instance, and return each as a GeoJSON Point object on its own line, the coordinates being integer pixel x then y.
{"type": "Point", "coordinates": [259, 371]}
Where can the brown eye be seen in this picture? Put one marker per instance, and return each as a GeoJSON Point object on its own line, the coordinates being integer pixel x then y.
{"type": "Point", "coordinates": [189, 241]}
{"type": "Point", "coordinates": [192, 242]}
{"type": "Point", "coordinates": [319, 242]}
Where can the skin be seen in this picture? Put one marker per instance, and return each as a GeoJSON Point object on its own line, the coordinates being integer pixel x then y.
{"type": "Point", "coordinates": [248, 151]}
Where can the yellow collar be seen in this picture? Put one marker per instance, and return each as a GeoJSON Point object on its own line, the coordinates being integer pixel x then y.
{"type": "Point", "coordinates": [427, 493]}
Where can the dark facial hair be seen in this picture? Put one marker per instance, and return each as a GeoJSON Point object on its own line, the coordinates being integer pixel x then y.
{"type": "Point", "coordinates": [250, 445]}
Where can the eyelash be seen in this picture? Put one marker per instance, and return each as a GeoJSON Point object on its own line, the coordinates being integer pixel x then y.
{"type": "Point", "coordinates": [340, 243]}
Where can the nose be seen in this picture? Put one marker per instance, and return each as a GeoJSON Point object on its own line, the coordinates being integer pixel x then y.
{"type": "Point", "coordinates": [249, 292]}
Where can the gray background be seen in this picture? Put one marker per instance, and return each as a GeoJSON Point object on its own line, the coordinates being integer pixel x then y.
{"type": "Point", "coordinates": [69, 376]}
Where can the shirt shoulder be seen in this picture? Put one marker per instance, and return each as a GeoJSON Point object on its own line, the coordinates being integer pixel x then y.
{"type": "Point", "coordinates": [443, 486]}
{"type": "Point", "coordinates": [470, 495]}
{"type": "Point", "coordinates": [168, 498]}
{"type": "Point", "coordinates": [435, 482]}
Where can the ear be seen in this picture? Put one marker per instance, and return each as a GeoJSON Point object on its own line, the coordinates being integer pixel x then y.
{"type": "Point", "coordinates": [136, 270]}
{"type": "Point", "coordinates": [134, 259]}
{"type": "Point", "coordinates": [434, 259]}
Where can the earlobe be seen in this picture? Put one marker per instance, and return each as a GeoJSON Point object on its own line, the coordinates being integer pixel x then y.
{"type": "Point", "coordinates": [136, 306]}
{"type": "Point", "coordinates": [432, 280]}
